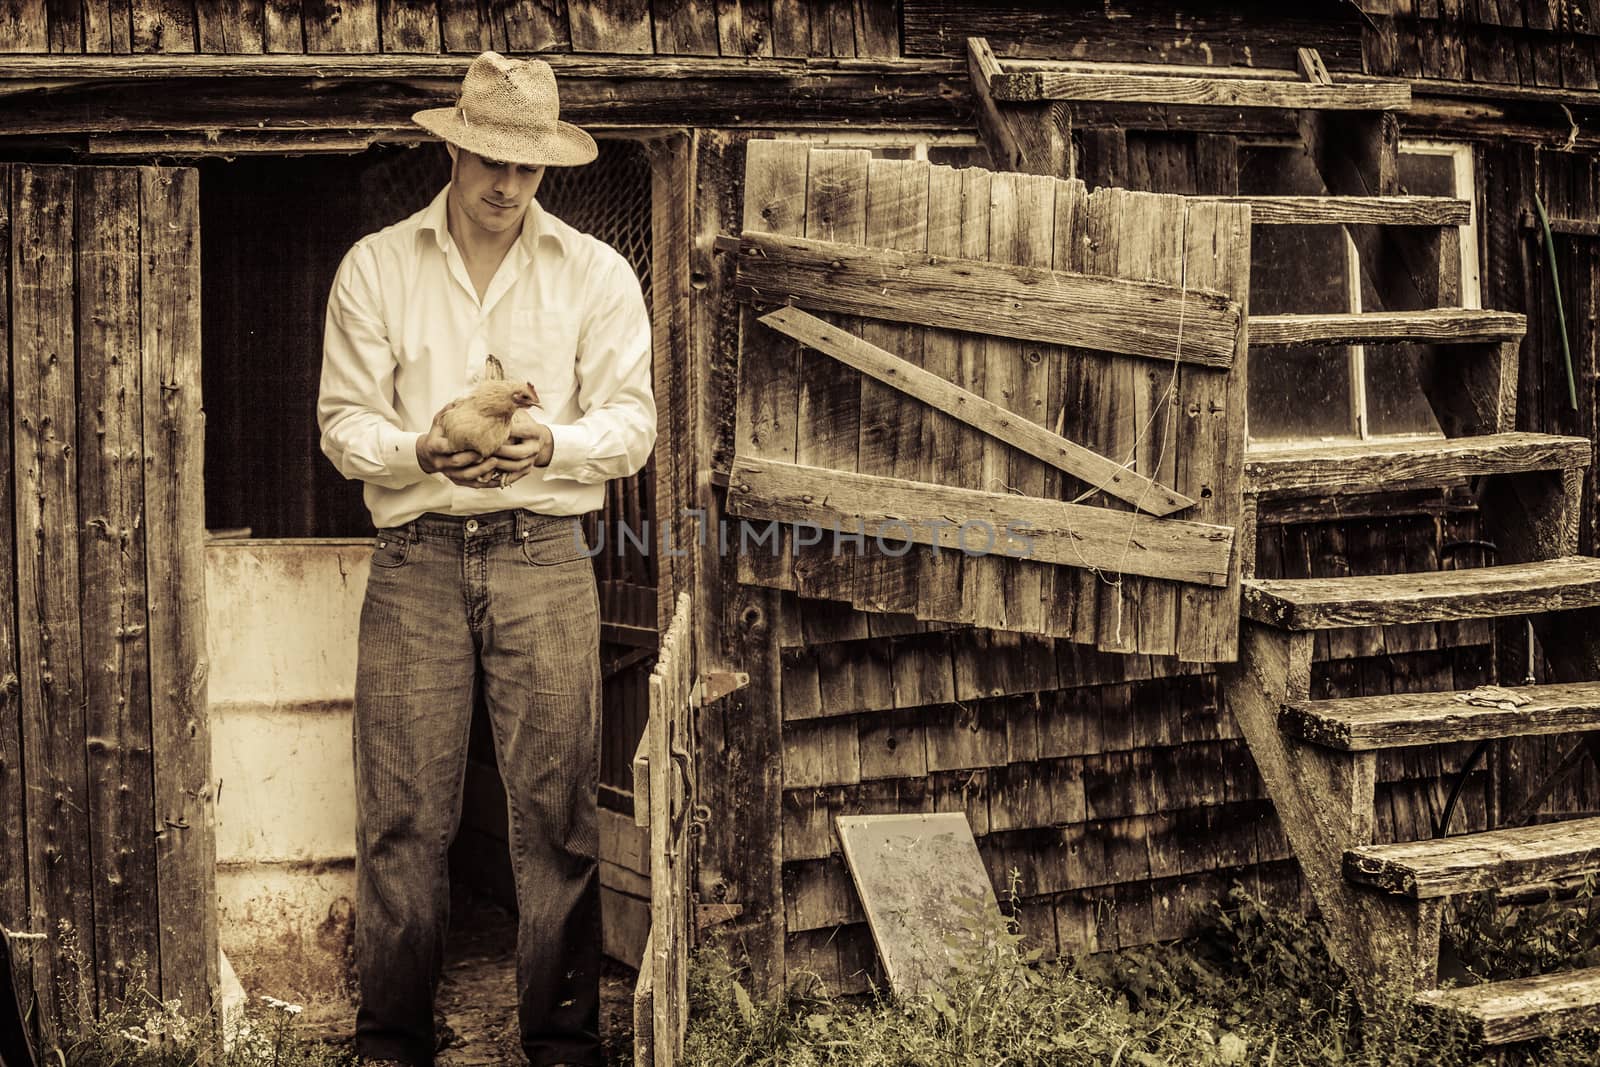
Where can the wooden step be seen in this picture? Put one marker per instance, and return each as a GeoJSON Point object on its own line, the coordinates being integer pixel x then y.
{"type": "Point", "coordinates": [1445, 866]}
{"type": "Point", "coordinates": [1355, 210]}
{"type": "Point", "coordinates": [1360, 724]}
{"type": "Point", "coordinates": [1371, 466]}
{"type": "Point", "coordinates": [1562, 584]}
{"type": "Point", "coordinates": [1522, 1009]}
{"type": "Point", "coordinates": [1441, 326]}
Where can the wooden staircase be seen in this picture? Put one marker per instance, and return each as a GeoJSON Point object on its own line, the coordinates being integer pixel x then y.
{"type": "Point", "coordinates": [1318, 759]}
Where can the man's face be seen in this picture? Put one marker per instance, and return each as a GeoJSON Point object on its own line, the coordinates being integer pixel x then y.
{"type": "Point", "coordinates": [492, 194]}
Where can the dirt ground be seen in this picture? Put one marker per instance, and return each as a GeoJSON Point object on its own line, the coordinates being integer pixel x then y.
{"type": "Point", "coordinates": [477, 996]}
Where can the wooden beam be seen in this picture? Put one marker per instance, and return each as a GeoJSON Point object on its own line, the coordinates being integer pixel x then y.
{"type": "Point", "coordinates": [1026, 303]}
{"type": "Point", "coordinates": [1025, 85]}
{"type": "Point", "coordinates": [1050, 531]}
{"type": "Point", "coordinates": [1027, 138]}
{"type": "Point", "coordinates": [1122, 482]}
{"type": "Point", "coordinates": [1324, 801]}
{"type": "Point", "coordinates": [299, 94]}
{"type": "Point", "coordinates": [1429, 596]}
{"type": "Point", "coordinates": [1395, 720]}
{"type": "Point", "coordinates": [1446, 325]}
{"type": "Point", "coordinates": [1524, 1009]}
{"type": "Point", "coordinates": [1367, 466]}
{"type": "Point", "coordinates": [1442, 867]}
{"type": "Point", "coordinates": [1339, 210]}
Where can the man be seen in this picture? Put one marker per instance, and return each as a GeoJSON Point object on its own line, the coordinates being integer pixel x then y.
{"type": "Point", "coordinates": [480, 576]}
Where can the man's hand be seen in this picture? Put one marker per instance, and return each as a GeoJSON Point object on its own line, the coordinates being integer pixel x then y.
{"type": "Point", "coordinates": [529, 438]}
{"type": "Point", "coordinates": [463, 468]}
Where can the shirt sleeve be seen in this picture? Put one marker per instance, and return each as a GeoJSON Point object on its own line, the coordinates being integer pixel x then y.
{"type": "Point", "coordinates": [614, 435]}
{"type": "Point", "coordinates": [361, 433]}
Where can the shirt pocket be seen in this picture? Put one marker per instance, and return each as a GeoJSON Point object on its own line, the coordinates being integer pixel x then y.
{"type": "Point", "coordinates": [544, 351]}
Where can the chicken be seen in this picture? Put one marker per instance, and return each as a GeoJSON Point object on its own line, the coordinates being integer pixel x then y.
{"type": "Point", "coordinates": [481, 421]}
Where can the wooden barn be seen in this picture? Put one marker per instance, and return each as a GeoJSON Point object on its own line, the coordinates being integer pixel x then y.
{"type": "Point", "coordinates": [1134, 424]}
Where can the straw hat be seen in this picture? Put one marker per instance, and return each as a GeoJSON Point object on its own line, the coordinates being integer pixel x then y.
{"type": "Point", "coordinates": [508, 111]}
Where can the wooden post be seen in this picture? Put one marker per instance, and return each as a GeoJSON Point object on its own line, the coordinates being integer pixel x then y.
{"type": "Point", "coordinates": [1027, 138]}
{"type": "Point", "coordinates": [174, 502]}
{"type": "Point", "coordinates": [44, 377]}
{"type": "Point", "coordinates": [13, 820]}
{"type": "Point", "coordinates": [116, 655]}
{"type": "Point", "coordinates": [1324, 801]}
{"type": "Point", "coordinates": [740, 858]}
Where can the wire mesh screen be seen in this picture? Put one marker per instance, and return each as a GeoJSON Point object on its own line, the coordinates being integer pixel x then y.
{"type": "Point", "coordinates": [609, 198]}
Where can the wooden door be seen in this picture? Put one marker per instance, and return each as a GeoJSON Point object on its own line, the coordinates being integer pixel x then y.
{"type": "Point", "coordinates": [666, 761]}
{"type": "Point", "coordinates": [106, 802]}
{"type": "Point", "coordinates": [993, 399]}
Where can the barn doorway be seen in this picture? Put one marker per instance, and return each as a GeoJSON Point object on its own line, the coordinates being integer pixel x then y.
{"type": "Point", "coordinates": [287, 530]}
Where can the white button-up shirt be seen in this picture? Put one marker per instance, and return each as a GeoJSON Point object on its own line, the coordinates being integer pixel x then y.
{"type": "Point", "coordinates": [406, 334]}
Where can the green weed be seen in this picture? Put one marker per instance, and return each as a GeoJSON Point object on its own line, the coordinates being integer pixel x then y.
{"type": "Point", "coordinates": [1257, 986]}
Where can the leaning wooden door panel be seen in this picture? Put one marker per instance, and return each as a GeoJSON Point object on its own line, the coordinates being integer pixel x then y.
{"type": "Point", "coordinates": [103, 501]}
{"type": "Point", "coordinates": [1071, 357]}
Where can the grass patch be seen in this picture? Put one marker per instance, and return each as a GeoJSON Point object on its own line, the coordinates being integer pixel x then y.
{"type": "Point", "coordinates": [1256, 986]}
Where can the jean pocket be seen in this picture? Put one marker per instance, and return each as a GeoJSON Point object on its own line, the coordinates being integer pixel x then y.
{"type": "Point", "coordinates": [390, 549]}
{"type": "Point", "coordinates": [557, 543]}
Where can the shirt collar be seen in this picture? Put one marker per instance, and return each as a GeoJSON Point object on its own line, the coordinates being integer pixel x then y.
{"type": "Point", "coordinates": [537, 224]}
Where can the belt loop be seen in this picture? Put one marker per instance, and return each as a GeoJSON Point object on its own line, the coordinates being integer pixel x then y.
{"type": "Point", "coordinates": [523, 524]}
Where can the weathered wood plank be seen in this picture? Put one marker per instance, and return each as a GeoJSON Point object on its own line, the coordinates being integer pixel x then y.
{"type": "Point", "coordinates": [744, 27]}
{"type": "Point", "coordinates": [1022, 303]}
{"type": "Point", "coordinates": [410, 26]}
{"type": "Point", "coordinates": [225, 28]}
{"type": "Point", "coordinates": [1523, 1009]}
{"type": "Point", "coordinates": [939, 583]}
{"type": "Point", "coordinates": [611, 26]}
{"type": "Point", "coordinates": [1025, 85]}
{"type": "Point", "coordinates": [1019, 377]}
{"type": "Point", "coordinates": [1349, 210]}
{"type": "Point", "coordinates": [112, 572]}
{"type": "Point", "coordinates": [533, 25]}
{"type": "Point", "coordinates": [978, 412]}
{"type": "Point", "coordinates": [767, 393]}
{"type": "Point", "coordinates": [1236, 35]}
{"type": "Point", "coordinates": [347, 26]}
{"type": "Point", "coordinates": [27, 25]}
{"type": "Point", "coordinates": [1059, 533]}
{"type": "Point", "coordinates": [685, 27]}
{"type": "Point", "coordinates": [162, 26]}
{"type": "Point", "coordinates": [1562, 584]}
{"type": "Point", "coordinates": [470, 26]}
{"type": "Point", "coordinates": [13, 811]}
{"type": "Point", "coordinates": [891, 424]}
{"type": "Point", "coordinates": [44, 370]}
{"type": "Point", "coordinates": [1368, 467]}
{"type": "Point", "coordinates": [738, 626]}
{"type": "Point", "coordinates": [1446, 325]}
{"type": "Point", "coordinates": [1212, 451]}
{"type": "Point", "coordinates": [671, 771]}
{"type": "Point", "coordinates": [283, 27]}
{"type": "Point", "coordinates": [1444, 866]}
{"type": "Point", "coordinates": [830, 395]}
{"type": "Point", "coordinates": [174, 508]}
{"type": "Point", "coordinates": [1028, 138]}
{"type": "Point", "coordinates": [1136, 615]}
{"type": "Point", "coordinates": [1400, 719]}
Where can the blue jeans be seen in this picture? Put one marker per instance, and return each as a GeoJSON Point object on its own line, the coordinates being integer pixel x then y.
{"type": "Point", "coordinates": [505, 601]}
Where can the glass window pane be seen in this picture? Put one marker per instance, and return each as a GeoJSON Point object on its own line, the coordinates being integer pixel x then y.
{"type": "Point", "coordinates": [1296, 393]}
{"type": "Point", "coordinates": [1395, 404]}
{"type": "Point", "coordinates": [1427, 174]}
{"type": "Point", "coordinates": [1300, 393]}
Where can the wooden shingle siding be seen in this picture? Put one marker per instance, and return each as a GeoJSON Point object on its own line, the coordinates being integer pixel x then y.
{"type": "Point", "coordinates": [1525, 43]}
{"type": "Point", "coordinates": [835, 29]}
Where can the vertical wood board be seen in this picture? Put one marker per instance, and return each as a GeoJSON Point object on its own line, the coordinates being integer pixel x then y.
{"type": "Point", "coordinates": [116, 656]}
{"type": "Point", "coordinates": [174, 507]}
{"type": "Point", "coordinates": [43, 367]}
